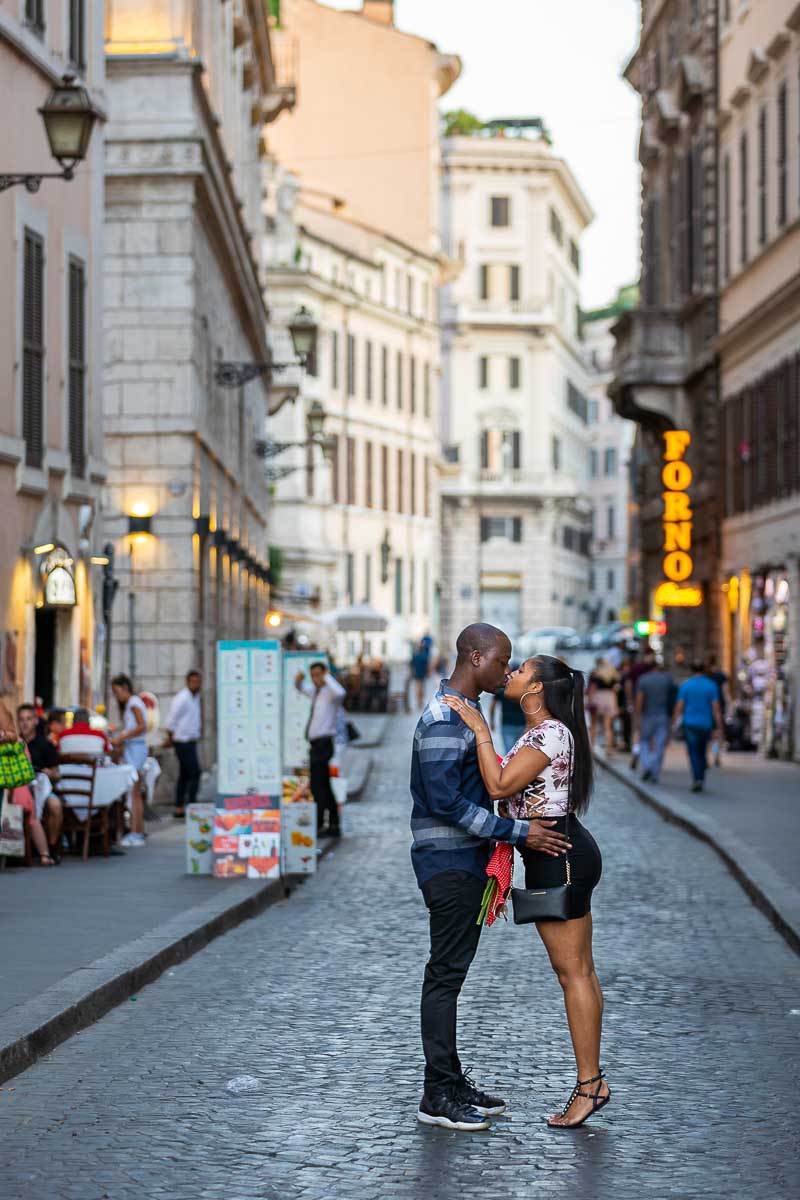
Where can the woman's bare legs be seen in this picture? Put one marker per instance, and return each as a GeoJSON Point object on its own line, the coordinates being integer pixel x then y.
{"type": "Point", "coordinates": [594, 724]}
{"type": "Point", "coordinates": [569, 946]}
{"type": "Point", "coordinates": [608, 722]}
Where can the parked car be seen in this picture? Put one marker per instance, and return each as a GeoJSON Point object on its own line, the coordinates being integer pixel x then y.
{"type": "Point", "coordinates": [546, 639]}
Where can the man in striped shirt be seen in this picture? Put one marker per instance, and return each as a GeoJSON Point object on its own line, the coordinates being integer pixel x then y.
{"type": "Point", "coordinates": [453, 826]}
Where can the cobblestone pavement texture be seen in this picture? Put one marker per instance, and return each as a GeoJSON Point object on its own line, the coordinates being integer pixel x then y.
{"type": "Point", "coordinates": [318, 1000]}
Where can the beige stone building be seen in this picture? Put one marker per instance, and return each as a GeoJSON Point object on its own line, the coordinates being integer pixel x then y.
{"type": "Point", "coordinates": [759, 355]}
{"type": "Point", "coordinates": [191, 86]}
{"type": "Point", "coordinates": [51, 458]}
{"type": "Point", "coordinates": [355, 238]}
{"type": "Point", "coordinates": [515, 513]}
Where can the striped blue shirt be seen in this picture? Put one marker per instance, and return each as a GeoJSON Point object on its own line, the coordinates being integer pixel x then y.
{"type": "Point", "coordinates": [452, 818]}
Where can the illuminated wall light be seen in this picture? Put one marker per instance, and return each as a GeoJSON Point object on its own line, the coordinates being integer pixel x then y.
{"type": "Point", "coordinates": [141, 509]}
{"type": "Point", "coordinates": [273, 619]}
{"type": "Point", "coordinates": [45, 548]}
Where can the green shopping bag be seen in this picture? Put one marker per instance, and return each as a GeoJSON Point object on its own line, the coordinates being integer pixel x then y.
{"type": "Point", "coordinates": [15, 767]}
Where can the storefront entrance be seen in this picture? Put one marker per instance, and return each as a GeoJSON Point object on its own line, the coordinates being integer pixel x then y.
{"type": "Point", "coordinates": [45, 658]}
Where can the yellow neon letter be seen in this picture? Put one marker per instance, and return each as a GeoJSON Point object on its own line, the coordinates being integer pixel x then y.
{"type": "Point", "coordinates": [676, 442]}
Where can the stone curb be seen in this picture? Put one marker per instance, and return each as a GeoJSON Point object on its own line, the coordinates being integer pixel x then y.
{"type": "Point", "coordinates": [775, 898]}
{"type": "Point", "coordinates": [35, 1027]}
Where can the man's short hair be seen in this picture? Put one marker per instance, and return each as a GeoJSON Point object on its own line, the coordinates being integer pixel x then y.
{"type": "Point", "coordinates": [322, 666]}
{"type": "Point", "coordinates": [698, 668]}
{"type": "Point", "coordinates": [80, 716]}
{"type": "Point", "coordinates": [480, 637]}
{"type": "Point", "coordinates": [194, 671]}
{"type": "Point", "coordinates": [26, 707]}
{"type": "Point", "coordinates": [57, 714]}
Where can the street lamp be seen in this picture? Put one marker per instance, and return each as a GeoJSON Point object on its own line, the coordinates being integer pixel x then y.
{"type": "Point", "coordinates": [69, 116]}
{"type": "Point", "coordinates": [303, 331]}
{"type": "Point", "coordinates": [315, 424]}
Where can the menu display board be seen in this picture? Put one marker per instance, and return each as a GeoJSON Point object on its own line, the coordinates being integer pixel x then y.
{"type": "Point", "coordinates": [199, 832]}
{"type": "Point", "coordinates": [249, 717]}
{"type": "Point", "coordinates": [299, 828]}
{"type": "Point", "coordinates": [247, 841]}
{"type": "Point", "coordinates": [297, 707]}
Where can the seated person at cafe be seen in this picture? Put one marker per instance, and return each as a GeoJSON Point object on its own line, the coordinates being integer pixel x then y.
{"type": "Point", "coordinates": [44, 760]}
{"type": "Point", "coordinates": [82, 729]}
{"type": "Point", "coordinates": [56, 724]}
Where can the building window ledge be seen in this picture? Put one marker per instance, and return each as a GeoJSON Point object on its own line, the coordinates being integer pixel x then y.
{"type": "Point", "coordinates": [56, 462]}
{"type": "Point", "coordinates": [12, 449]}
{"type": "Point", "coordinates": [31, 480]}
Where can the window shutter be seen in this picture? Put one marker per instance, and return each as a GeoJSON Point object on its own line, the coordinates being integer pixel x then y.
{"type": "Point", "coordinates": [484, 529]}
{"type": "Point", "coordinates": [516, 452]}
{"type": "Point", "coordinates": [483, 282]}
{"type": "Point", "coordinates": [484, 449]}
{"type": "Point", "coordinates": [33, 349]}
{"type": "Point", "coordinates": [77, 368]}
{"type": "Point", "coordinates": [516, 534]}
{"type": "Point", "coordinates": [513, 283]}
{"type": "Point", "coordinates": [782, 156]}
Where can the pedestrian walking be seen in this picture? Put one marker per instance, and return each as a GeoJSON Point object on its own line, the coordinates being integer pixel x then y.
{"type": "Point", "coordinates": [698, 712]}
{"type": "Point", "coordinates": [184, 731]}
{"type": "Point", "coordinates": [420, 669]}
{"type": "Point", "coordinates": [602, 701]}
{"type": "Point", "coordinates": [654, 701]}
{"type": "Point", "coordinates": [548, 775]}
{"type": "Point", "coordinates": [327, 696]}
{"type": "Point", "coordinates": [636, 668]}
{"type": "Point", "coordinates": [131, 744]}
{"type": "Point", "coordinates": [721, 680]}
{"type": "Point", "coordinates": [453, 826]}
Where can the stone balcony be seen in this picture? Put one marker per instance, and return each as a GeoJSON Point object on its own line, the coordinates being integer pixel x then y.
{"type": "Point", "coordinates": [651, 360]}
{"type": "Point", "coordinates": [508, 484]}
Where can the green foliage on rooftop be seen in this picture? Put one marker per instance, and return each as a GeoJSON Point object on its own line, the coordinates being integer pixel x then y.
{"type": "Point", "coordinates": [459, 122]}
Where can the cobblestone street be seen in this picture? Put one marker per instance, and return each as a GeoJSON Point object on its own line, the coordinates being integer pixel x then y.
{"type": "Point", "coordinates": [318, 999]}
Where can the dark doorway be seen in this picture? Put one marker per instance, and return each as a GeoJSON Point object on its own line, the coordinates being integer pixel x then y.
{"type": "Point", "coordinates": [45, 660]}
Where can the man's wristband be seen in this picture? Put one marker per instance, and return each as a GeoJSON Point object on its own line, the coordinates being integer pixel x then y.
{"type": "Point", "coordinates": [485, 742]}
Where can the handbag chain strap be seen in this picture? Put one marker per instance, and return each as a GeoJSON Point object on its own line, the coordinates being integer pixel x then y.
{"type": "Point", "coordinates": [569, 806]}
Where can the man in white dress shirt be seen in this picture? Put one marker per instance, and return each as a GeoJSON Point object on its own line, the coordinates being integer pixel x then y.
{"type": "Point", "coordinates": [326, 695]}
{"type": "Point", "coordinates": [183, 733]}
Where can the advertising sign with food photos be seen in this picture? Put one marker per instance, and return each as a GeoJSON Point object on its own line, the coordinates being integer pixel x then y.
{"type": "Point", "coordinates": [247, 840]}
{"type": "Point", "coordinates": [298, 828]}
{"type": "Point", "coordinates": [199, 839]}
{"type": "Point", "coordinates": [246, 836]}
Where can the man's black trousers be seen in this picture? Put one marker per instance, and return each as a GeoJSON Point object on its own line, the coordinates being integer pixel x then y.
{"type": "Point", "coordinates": [321, 790]}
{"type": "Point", "coordinates": [188, 773]}
{"type": "Point", "coordinates": [453, 899]}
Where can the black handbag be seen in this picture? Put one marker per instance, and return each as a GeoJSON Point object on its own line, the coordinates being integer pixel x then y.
{"type": "Point", "coordinates": [545, 904]}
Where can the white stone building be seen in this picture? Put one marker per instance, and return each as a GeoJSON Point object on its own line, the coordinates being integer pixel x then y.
{"type": "Point", "coordinates": [515, 516]}
{"type": "Point", "coordinates": [191, 86]}
{"type": "Point", "coordinates": [362, 526]}
{"type": "Point", "coordinates": [611, 442]}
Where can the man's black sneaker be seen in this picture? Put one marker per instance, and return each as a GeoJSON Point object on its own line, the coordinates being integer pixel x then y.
{"type": "Point", "coordinates": [445, 1109]}
{"type": "Point", "coordinates": [468, 1093]}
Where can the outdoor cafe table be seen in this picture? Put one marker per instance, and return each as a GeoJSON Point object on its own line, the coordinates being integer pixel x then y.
{"type": "Point", "coordinates": [111, 782]}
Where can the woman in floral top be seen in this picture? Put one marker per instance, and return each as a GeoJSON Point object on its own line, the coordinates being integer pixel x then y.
{"type": "Point", "coordinates": [546, 775]}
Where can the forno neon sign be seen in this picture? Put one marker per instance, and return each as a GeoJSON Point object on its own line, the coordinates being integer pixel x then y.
{"type": "Point", "coordinates": [678, 564]}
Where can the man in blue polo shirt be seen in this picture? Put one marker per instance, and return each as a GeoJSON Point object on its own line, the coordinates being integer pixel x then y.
{"type": "Point", "coordinates": [453, 826]}
{"type": "Point", "coordinates": [699, 712]}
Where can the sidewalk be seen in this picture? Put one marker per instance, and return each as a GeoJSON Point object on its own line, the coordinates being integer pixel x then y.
{"type": "Point", "coordinates": [749, 813]}
{"type": "Point", "coordinates": [77, 939]}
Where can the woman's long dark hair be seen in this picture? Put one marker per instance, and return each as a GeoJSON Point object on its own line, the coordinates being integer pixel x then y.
{"type": "Point", "coordinates": [563, 699]}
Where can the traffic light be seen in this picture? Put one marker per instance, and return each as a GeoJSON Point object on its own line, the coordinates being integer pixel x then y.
{"type": "Point", "coordinates": [649, 628]}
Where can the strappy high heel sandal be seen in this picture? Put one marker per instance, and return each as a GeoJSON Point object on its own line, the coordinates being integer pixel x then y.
{"type": "Point", "coordinates": [597, 1100]}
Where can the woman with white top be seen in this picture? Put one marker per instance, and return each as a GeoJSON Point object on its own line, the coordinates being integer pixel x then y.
{"type": "Point", "coordinates": [546, 775]}
{"type": "Point", "coordinates": [132, 742]}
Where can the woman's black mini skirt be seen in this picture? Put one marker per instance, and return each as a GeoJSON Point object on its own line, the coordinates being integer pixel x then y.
{"type": "Point", "coordinates": [586, 864]}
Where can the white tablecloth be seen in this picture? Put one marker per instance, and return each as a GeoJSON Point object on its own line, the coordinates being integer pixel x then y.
{"type": "Point", "coordinates": [110, 783]}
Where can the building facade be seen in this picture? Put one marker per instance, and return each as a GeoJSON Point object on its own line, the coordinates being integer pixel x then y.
{"type": "Point", "coordinates": [191, 86]}
{"type": "Point", "coordinates": [666, 375]}
{"type": "Point", "coordinates": [51, 348]}
{"type": "Point", "coordinates": [359, 525]}
{"type": "Point", "coordinates": [612, 578]}
{"type": "Point", "coordinates": [353, 199]}
{"type": "Point", "coordinates": [515, 515]}
{"type": "Point", "coordinates": [759, 355]}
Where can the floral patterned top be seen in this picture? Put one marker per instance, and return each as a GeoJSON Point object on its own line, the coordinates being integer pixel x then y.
{"type": "Point", "coordinates": [548, 794]}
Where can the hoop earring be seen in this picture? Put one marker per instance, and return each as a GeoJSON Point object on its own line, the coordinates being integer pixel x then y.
{"type": "Point", "coordinates": [522, 706]}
